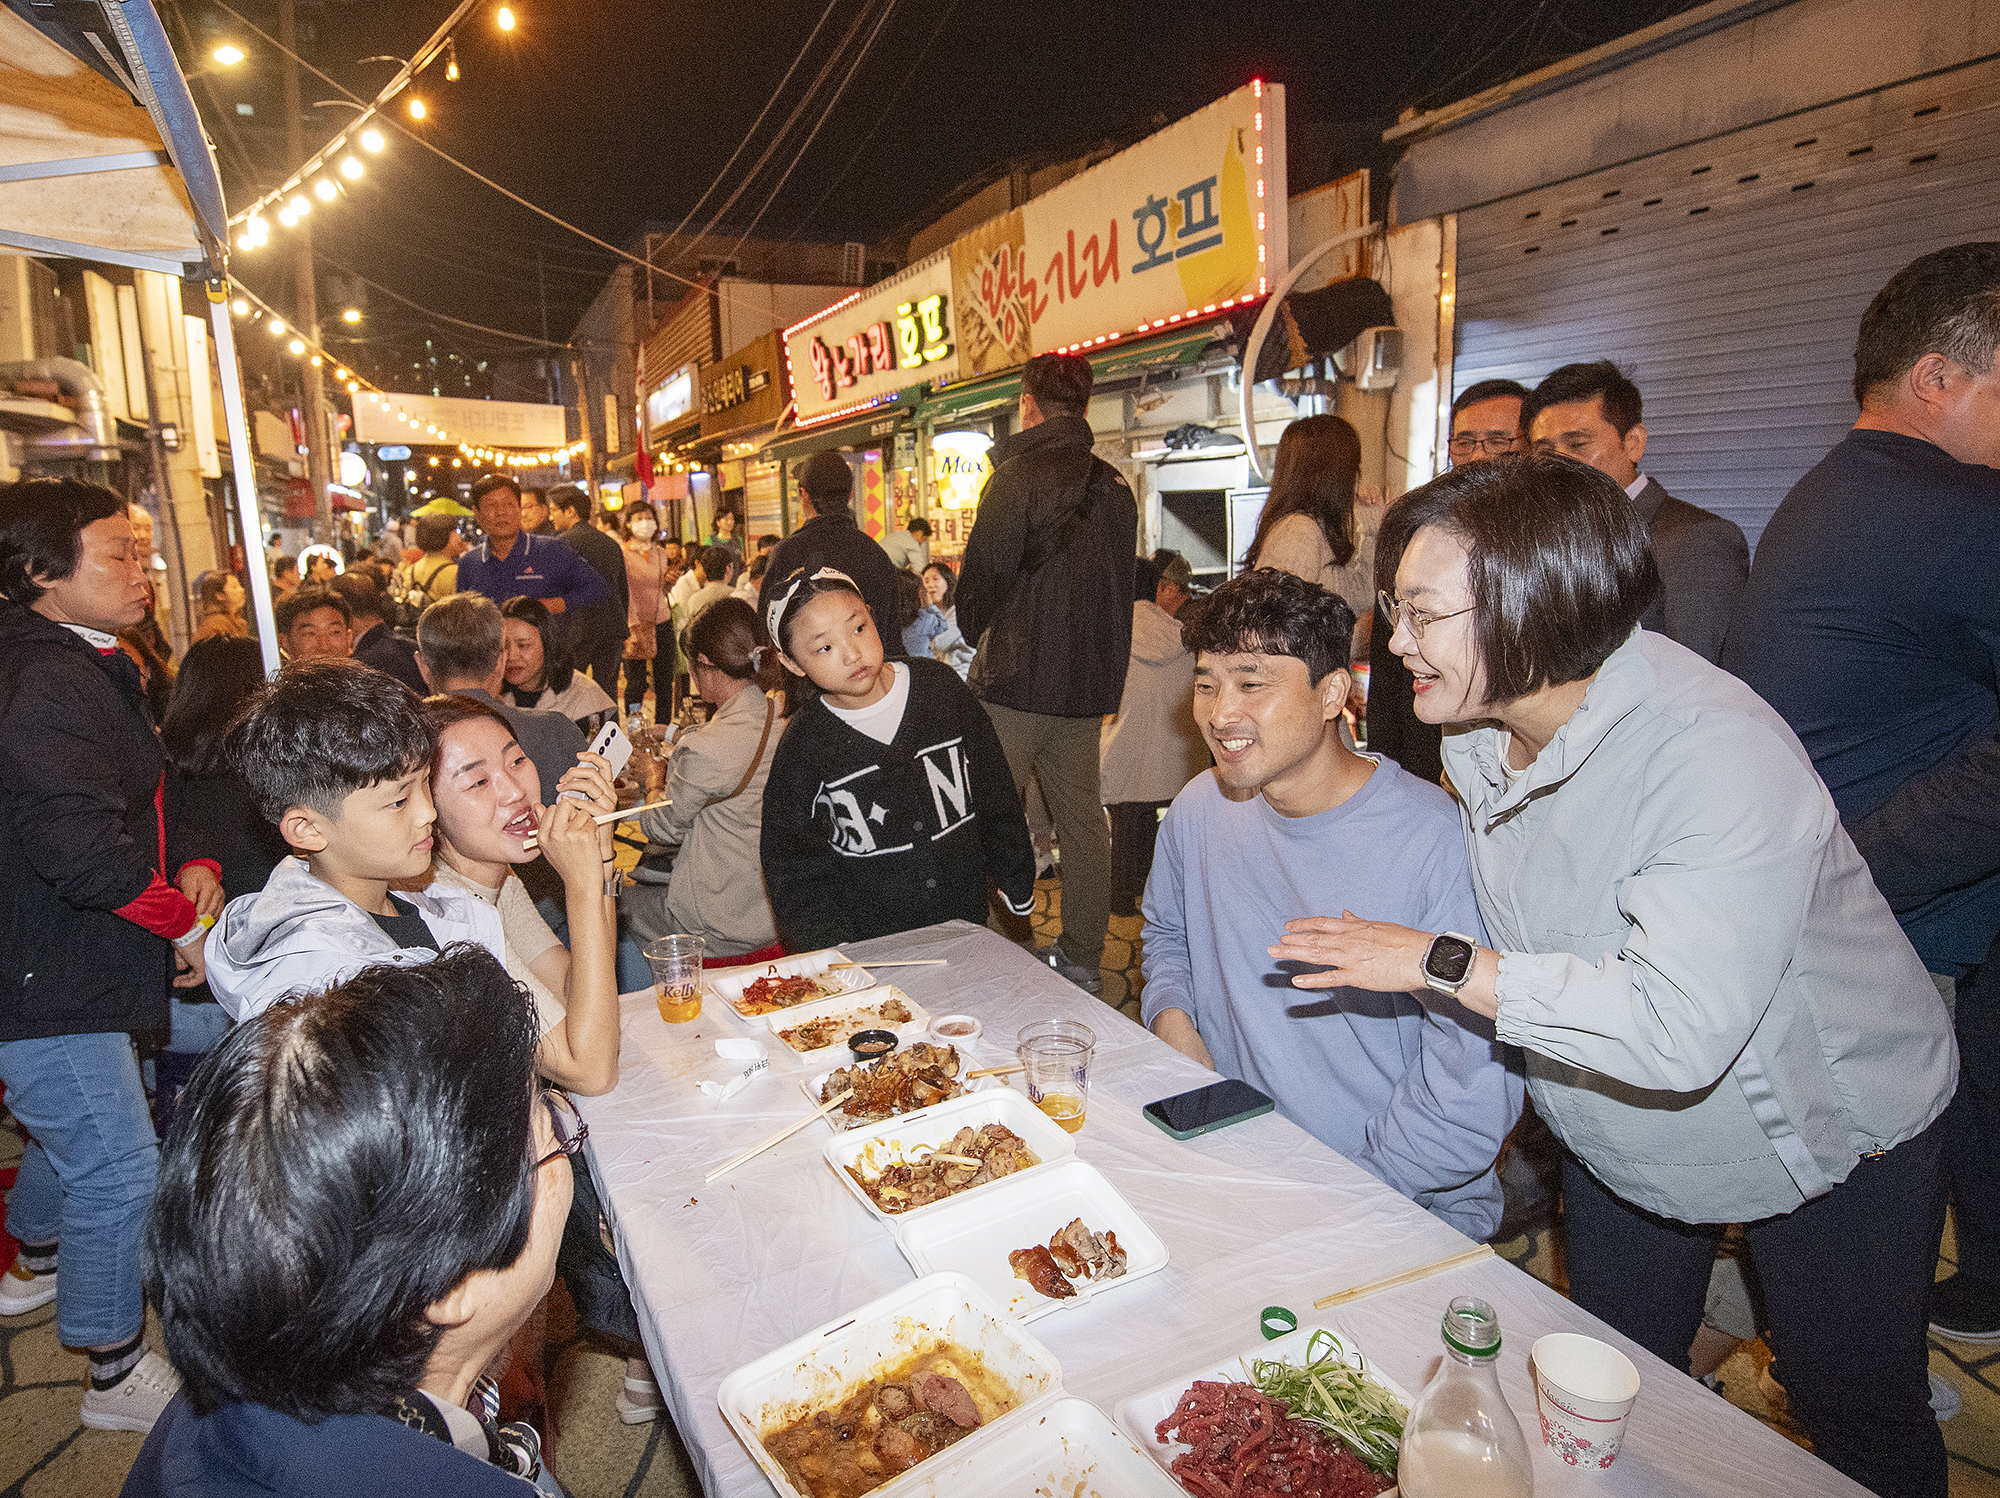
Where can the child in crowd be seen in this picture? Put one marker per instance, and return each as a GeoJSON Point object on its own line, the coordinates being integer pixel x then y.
{"type": "Point", "coordinates": [337, 755]}
{"type": "Point", "coordinates": [889, 804]}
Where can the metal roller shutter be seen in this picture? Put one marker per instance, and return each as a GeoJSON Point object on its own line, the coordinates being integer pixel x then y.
{"type": "Point", "coordinates": [1728, 278]}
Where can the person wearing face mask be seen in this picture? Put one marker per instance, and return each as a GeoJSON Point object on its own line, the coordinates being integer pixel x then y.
{"type": "Point", "coordinates": [648, 575]}
{"type": "Point", "coordinates": [1721, 1020]}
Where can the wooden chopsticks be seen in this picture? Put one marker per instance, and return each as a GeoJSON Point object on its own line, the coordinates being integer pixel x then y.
{"type": "Point", "coordinates": [1388, 1282]}
{"type": "Point", "coordinates": [779, 1137]}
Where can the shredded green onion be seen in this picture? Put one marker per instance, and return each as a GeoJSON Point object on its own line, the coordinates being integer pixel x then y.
{"type": "Point", "coordinates": [1337, 1398]}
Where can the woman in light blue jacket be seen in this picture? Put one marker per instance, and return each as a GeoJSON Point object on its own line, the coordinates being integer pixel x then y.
{"type": "Point", "coordinates": [1722, 1020]}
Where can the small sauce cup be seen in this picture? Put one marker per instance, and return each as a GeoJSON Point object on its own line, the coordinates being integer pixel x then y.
{"type": "Point", "coordinates": [954, 1030]}
{"type": "Point", "coordinates": [872, 1045]}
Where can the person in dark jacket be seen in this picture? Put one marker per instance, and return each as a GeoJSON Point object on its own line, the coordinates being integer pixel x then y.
{"type": "Point", "coordinates": [597, 633]}
{"type": "Point", "coordinates": [103, 903]}
{"type": "Point", "coordinates": [375, 644]}
{"type": "Point", "coordinates": [830, 538]}
{"type": "Point", "coordinates": [1046, 596]}
{"type": "Point", "coordinates": [334, 1359]}
{"type": "Point", "coordinates": [218, 676]}
{"type": "Point", "coordinates": [888, 805]}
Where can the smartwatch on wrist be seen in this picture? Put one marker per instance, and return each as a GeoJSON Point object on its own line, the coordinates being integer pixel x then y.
{"type": "Point", "coordinates": [1448, 963]}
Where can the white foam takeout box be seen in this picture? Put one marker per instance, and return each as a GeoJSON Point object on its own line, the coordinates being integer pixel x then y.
{"type": "Point", "coordinates": [728, 984]}
{"type": "Point", "coordinates": [914, 1028]}
{"type": "Point", "coordinates": [895, 1140]}
{"type": "Point", "coordinates": [1047, 1442]}
{"type": "Point", "coordinates": [974, 1237]}
{"type": "Point", "coordinates": [1139, 1416]}
{"type": "Point", "coordinates": [815, 1084]}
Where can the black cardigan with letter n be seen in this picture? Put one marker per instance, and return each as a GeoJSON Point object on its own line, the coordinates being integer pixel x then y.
{"type": "Point", "coordinates": [865, 839]}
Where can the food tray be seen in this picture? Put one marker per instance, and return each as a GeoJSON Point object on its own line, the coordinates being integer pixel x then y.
{"type": "Point", "coordinates": [1141, 1414]}
{"type": "Point", "coordinates": [817, 1370]}
{"type": "Point", "coordinates": [1070, 1449]}
{"type": "Point", "coordinates": [828, 1056]}
{"type": "Point", "coordinates": [811, 1085]}
{"type": "Point", "coordinates": [893, 1139]}
{"type": "Point", "coordinates": [976, 1235]}
{"type": "Point", "coordinates": [729, 984]}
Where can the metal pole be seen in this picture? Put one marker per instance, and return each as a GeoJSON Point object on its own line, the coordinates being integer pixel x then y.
{"type": "Point", "coordinates": [319, 462]}
{"type": "Point", "coordinates": [247, 519]}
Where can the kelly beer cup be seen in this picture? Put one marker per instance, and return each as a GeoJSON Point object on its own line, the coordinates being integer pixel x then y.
{"type": "Point", "coordinates": [676, 965]}
{"type": "Point", "coordinates": [1056, 1054]}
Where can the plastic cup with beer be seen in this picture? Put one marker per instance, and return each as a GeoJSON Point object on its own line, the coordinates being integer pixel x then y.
{"type": "Point", "coordinates": [1056, 1053]}
{"type": "Point", "coordinates": [676, 965]}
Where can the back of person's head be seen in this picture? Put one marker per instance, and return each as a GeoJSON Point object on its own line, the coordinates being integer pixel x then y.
{"type": "Point", "coordinates": [1560, 568]}
{"type": "Point", "coordinates": [1489, 390]}
{"type": "Point", "coordinates": [1174, 570]}
{"type": "Point", "coordinates": [716, 562]}
{"type": "Point", "coordinates": [447, 709]}
{"type": "Point", "coordinates": [909, 599]}
{"type": "Point", "coordinates": [920, 527]}
{"type": "Point", "coordinates": [322, 730]}
{"type": "Point", "coordinates": [218, 677]}
{"type": "Point", "coordinates": [829, 481]}
{"type": "Point", "coordinates": [336, 1167]}
{"type": "Point", "coordinates": [765, 542]}
{"type": "Point", "coordinates": [558, 660]}
{"type": "Point", "coordinates": [434, 532]}
{"type": "Point", "coordinates": [759, 564]}
{"type": "Point", "coordinates": [364, 598]}
{"type": "Point", "coordinates": [570, 500]}
{"type": "Point", "coordinates": [312, 596]}
{"type": "Point", "coordinates": [284, 568]}
{"type": "Point", "coordinates": [488, 484]}
{"type": "Point", "coordinates": [460, 639]}
{"type": "Point", "coordinates": [41, 531]}
{"type": "Point", "coordinates": [728, 635]}
{"type": "Point", "coordinates": [1314, 473]}
{"type": "Point", "coordinates": [1946, 302]}
{"type": "Point", "coordinates": [1579, 382]}
{"type": "Point", "coordinates": [1060, 383]}
{"type": "Point", "coordinates": [1268, 612]}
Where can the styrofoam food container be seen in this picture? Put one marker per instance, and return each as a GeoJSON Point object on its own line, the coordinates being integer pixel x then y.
{"type": "Point", "coordinates": [895, 1139]}
{"type": "Point", "coordinates": [1018, 1211]}
{"type": "Point", "coordinates": [912, 1028]}
{"type": "Point", "coordinates": [818, 1370]}
{"type": "Point", "coordinates": [1070, 1448]}
{"type": "Point", "coordinates": [728, 985]}
{"type": "Point", "coordinates": [1140, 1415]}
{"type": "Point", "coordinates": [814, 1083]}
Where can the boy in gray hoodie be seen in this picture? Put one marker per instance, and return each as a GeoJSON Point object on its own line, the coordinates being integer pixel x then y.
{"type": "Point", "coordinates": [338, 757]}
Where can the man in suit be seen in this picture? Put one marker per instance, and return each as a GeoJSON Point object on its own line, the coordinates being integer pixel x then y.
{"type": "Point", "coordinates": [1591, 412]}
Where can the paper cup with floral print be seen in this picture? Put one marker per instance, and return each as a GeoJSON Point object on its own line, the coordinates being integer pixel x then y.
{"type": "Point", "coordinates": [1584, 1390]}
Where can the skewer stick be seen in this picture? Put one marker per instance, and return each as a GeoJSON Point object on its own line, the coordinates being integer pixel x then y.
{"type": "Point", "coordinates": [911, 962]}
{"type": "Point", "coordinates": [611, 816]}
{"type": "Point", "coordinates": [1387, 1282]}
{"type": "Point", "coordinates": [997, 1071]}
{"type": "Point", "coordinates": [782, 1135]}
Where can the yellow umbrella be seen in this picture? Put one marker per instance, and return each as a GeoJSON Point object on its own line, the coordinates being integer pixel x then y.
{"type": "Point", "coordinates": [442, 506]}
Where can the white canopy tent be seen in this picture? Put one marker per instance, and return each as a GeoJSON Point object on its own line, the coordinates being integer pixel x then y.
{"type": "Point", "coordinates": [85, 174]}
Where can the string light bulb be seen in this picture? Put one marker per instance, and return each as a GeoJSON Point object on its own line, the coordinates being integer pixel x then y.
{"type": "Point", "coordinates": [416, 108]}
{"type": "Point", "coordinates": [241, 307]}
{"type": "Point", "coordinates": [277, 326]}
{"type": "Point", "coordinates": [326, 189]}
{"type": "Point", "coordinates": [299, 206]}
{"type": "Point", "coordinates": [352, 314]}
{"type": "Point", "coordinates": [297, 346]}
{"type": "Point", "coordinates": [351, 169]}
{"type": "Point", "coordinates": [506, 18]}
{"type": "Point", "coordinates": [371, 140]}
{"type": "Point", "coordinates": [451, 60]}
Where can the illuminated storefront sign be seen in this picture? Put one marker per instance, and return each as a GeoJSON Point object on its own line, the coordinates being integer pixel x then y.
{"type": "Point", "coordinates": [863, 349]}
{"type": "Point", "coordinates": [960, 465]}
{"type": "Point", "coordinates": [422, 420]}
{"type": "Point", "coordinates": [1184, 224]}
{"type": "Point", "coordinates": [671, 399]}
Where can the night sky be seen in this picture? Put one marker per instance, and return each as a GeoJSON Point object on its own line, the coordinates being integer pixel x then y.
{"type": "Point", "coordinates": [611, 113]}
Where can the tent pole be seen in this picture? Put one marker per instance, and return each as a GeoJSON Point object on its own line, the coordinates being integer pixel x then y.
{"type": "Point", "coordinates": [247, 518]}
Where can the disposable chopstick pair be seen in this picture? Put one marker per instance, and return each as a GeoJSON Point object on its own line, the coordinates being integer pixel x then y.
{"type": "Point", "coordinates": [909, 962]}
{"type": "Point", "coordinates": [997, 1071]}
{"type": "Point", "coordinates": [612, 816]}
{"type": "Point", "coordinates": [781, 1136]}
{"type": "Point", "coordinates": [1389, 1282]}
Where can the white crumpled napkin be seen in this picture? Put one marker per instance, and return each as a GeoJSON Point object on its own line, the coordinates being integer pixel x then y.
{"type": "Point", "coordinates": [757, 1058]}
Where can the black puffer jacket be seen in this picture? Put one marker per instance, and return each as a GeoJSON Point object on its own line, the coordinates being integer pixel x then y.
{"type": "Point", "coordinates": [80, 837]}
{"type": "Point", "coordinates": [1048, 575]}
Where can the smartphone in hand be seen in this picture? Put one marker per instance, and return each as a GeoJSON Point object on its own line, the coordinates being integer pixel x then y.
{"type": "Point", "coordinates": [616, 749]}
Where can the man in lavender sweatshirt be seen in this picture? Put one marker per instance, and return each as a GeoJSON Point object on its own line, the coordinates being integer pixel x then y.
{"type": "Point", "coordinates": [1291, 823]}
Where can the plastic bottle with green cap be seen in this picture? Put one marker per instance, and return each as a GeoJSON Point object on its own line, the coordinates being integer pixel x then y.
{"type": "Point", "coordinates": [1462, 1437]}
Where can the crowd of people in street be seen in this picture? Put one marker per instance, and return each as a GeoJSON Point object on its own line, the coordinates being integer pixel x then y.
{"type": "Point", "coordinates": [1528, 844]}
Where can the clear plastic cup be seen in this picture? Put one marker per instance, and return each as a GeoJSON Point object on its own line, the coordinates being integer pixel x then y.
{"type": "Point", "coordinates": [1056, 1053]}
{"type": "Point", "coordinates": [676, 965]}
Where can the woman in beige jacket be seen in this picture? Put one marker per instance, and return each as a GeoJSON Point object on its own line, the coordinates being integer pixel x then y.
{"type": "Point", "coordinates": [1309, 527]}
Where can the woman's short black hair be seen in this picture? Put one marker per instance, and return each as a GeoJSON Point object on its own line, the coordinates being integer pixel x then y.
{"type": "Point", "coordinates": [41, 530]}
{"type": "Point", "coordinates": [558, 662]}
{"type": "Point", "coordinates": [218, 676]}
{"type": "Point", "coordinates": [1268, 612]}
{"type": "Point", "coordinates": [323, 729]}
{"type": "Point", "coordinates": [1561, 569]}
{"type": "Point", "coordinates": [336, 1166]}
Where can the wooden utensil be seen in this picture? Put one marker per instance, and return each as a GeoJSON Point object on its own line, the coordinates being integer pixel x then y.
{"type": "Point", "coordinates": [610, 816]}
{"type": "Point", "coordinates": [1388, 1282]}
{"type": "Point", "coordinates": [997, 1071]}
{"type": "Point", "coordinates": [781, 1136]}
{"type": "Point", "coordinates": [912, 962]}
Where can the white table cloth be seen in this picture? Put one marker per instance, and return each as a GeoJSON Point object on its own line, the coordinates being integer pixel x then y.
{"type": "Point", "coordinates": [1254, 1215]}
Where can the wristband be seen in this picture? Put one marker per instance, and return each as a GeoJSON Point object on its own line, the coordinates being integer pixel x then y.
{"type": "Point", "coordinates": [613, 885]}
{"type": "Point", "coordinates": [195, 933]}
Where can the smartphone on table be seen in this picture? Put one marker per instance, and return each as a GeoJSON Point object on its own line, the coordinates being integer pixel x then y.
{"type": "Point", "coordinates": [1207, 1109]}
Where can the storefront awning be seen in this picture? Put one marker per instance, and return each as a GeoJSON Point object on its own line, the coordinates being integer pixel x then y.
{"type": "Point", "coordinates": [1116, 361]}
{"type": "Point", "coordinates": [871, 428]}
